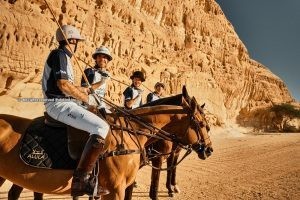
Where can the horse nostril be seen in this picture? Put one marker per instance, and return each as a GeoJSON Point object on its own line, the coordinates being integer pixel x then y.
{"type": "Point", "coordinates": [209, 151]}
{"type": "Point", "coordinates": [202, 156]}
{"type": "Point", "coordinates": [208, 154]}
{"type": "Point", "coordinates": [207, 128]}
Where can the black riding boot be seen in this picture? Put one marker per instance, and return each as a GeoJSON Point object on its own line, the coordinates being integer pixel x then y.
{"type": "Point", "coordinates": [82, 182]}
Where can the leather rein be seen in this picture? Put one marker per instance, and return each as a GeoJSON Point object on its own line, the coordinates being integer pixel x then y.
{"type": "Point", "coordinates": [122, 151]}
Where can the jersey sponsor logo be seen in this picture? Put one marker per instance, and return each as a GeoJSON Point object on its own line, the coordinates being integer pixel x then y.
{"type": "Point", "coordinates": [61, 72]}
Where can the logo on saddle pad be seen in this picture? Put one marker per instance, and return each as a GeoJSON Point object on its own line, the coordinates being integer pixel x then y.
{"type": "Point", "coordinates": [37, 154]}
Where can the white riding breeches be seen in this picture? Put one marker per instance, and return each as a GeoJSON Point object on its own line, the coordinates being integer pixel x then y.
{"type": "Point", "coordinates": [76, 116]}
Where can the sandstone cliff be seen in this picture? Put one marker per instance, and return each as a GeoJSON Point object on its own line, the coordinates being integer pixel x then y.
{"type": "Point", "coordinates": [177, 42]}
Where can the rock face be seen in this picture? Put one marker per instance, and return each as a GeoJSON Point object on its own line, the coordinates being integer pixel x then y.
{"type": "Point", "coordinates": [176, 42]}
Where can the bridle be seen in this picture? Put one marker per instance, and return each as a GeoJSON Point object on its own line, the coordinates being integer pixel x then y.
{"type": "Point", "coordinates": [195, 121]}
{"type": "Point", "coordinates": [199, 146]}
{"type": "Point", "coordinates": [203, 145]}
{"type": "Point", "coordinates": [200, 126]}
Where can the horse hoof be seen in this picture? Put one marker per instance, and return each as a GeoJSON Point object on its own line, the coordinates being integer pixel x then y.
{"type": "Point", "coordinates": [176, 189]}
{"type": "Point", "coordinates": [171, 194]}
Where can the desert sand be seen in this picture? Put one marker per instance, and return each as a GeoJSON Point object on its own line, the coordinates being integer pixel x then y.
{"type": "Point", "coordinates": [243, 166]}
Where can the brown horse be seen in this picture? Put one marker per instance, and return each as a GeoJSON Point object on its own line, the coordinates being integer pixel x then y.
{"type": "Point", "coordinates": [15, 191]}
{"type": "Point", "coordinates": [166, 150]}
{"type": "Point", "coordinates": [117, 172]}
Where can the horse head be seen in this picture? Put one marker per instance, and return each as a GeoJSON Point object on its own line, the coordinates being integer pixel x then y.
{"type": "Point", "coordinates": [191, 126]}
{"type": "Point", "coordinates": [197, 132]}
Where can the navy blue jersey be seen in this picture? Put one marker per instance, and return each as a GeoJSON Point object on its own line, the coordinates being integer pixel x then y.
{"type": "Point", "coordinates": [90, 74]}
{"type": "Point", "coordinates": [57, 66]}
{"type": "Point", "coordinates": [152, 97]}
{"type": "Point", "coordinates": [131, 93]}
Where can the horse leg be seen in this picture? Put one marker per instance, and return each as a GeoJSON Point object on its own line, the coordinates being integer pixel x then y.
{"type": "Point", "coordinates": [173, 179]}
{"type": "Point", "coordinates": [170, 162]}
{"type": "Point", "coordinates": [38, 196]}
{"type": "Point", "coordinates": [128, 192]}
{"type": "Point", "coordinates": [156, 162]}
{"type": "Point", "coordinates": [14, 192]}
{"type": "Point", "coordinates": [116, 193]}
{"type": "Point", "coordinates": [2, 180]}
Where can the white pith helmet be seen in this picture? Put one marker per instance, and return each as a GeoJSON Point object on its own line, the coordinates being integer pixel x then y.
{"type": "Point", "coordinates": [70, 32]}
{"type": "Point", "coordinates": [102, 50]}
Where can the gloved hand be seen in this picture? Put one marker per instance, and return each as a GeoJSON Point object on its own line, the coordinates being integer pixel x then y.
{"type": "Point", "coordinates": [105, 75]}
{"type": "Point", "coordinates": [92, 101]}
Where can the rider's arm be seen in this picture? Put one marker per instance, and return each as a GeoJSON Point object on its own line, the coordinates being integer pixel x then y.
{"type": "Point", "coordinates": [129, 103]}
{"type": "Point", "coordinates": [69, 89]}
{"type": "Point", "coordinates": [128, 97]}
{"type": "Point", "coordinates": [98, 84]}
{"type": "Point", "coordinates": [90, 73]}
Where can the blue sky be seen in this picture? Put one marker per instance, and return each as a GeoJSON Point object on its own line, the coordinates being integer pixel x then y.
{"type": "Point", "coordinates": [270, 29]}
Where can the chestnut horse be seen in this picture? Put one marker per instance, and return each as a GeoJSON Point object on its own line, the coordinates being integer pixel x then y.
{"type": "Point", "coordinates": [161, 150]}
{"type": "Point", "coordinates": [117, 172]}
{"type": "Point", "coordinates": [165, 150]}
{"type": "Point", "coordinates": [15, 191]}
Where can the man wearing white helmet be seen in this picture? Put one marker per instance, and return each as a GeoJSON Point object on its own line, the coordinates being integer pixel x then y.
{"type": "Point", "coordinates": [61, 97]}
{"type": "Point", "coordinates": [98, 75]}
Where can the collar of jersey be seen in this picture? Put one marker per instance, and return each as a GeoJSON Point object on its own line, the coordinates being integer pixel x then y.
{"type": "Point", "coordinates": [64, 48]}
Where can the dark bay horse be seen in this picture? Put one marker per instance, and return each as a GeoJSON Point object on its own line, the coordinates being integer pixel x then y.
{"type": "Point", "coordinates": [117, 172]}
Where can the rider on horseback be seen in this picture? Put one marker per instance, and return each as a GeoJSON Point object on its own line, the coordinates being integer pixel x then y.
{"type": "Point", "coordinates": [61, 103]}
{"type": "Point", "coordinates": [157, 94]}
{"type": "Point", "coordinates": [98, 75]}
{"type": "Point", "coordinates": [133, 94]}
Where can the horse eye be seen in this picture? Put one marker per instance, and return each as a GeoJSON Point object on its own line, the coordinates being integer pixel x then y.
{"type": "Point", "coordinates": [201, 124]}
{"type": "Point", "coordinates": [207, 128]}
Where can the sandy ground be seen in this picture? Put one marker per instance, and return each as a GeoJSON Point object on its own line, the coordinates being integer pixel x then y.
{"type": "Point", "coordinates": [241, 167]}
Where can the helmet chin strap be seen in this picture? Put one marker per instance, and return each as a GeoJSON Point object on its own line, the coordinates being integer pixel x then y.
{"type": "Point", "coordinates": [71, 41]}
{"type": "Point", "coordinates": [75, 46]}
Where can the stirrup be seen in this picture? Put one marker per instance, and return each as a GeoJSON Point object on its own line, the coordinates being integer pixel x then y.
{"type": "Point", "coordinates": [101, 191]}
{"type": "Point", "coordinates": [98, 189]}
{"type": "Point", "coordinates": [82, 184]}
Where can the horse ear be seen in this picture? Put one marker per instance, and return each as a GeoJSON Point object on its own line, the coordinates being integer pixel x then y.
{"type": "Point", "coordinates": [185, 103]}
{"type": "Point", "coordinates": [185, 93]}
{"type": "Point", "coordinates": [202, 106]}
{"type": "Point", "coordinates": [194, 105]}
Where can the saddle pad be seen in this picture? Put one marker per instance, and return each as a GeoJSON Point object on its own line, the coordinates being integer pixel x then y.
{"type": "Point", "coordinates": [43, 146]}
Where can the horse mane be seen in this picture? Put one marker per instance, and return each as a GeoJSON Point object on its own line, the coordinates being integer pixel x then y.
{"type": "Point", "coordinates": [173, 100]}
{"type": "Point", "coordinates": [158, 109]}
{"type": "Point", "coordinates": [163, 105]}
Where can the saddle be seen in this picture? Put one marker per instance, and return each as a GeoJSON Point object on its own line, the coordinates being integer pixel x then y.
{"type": "Point", "coordinates": [48, 143]}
